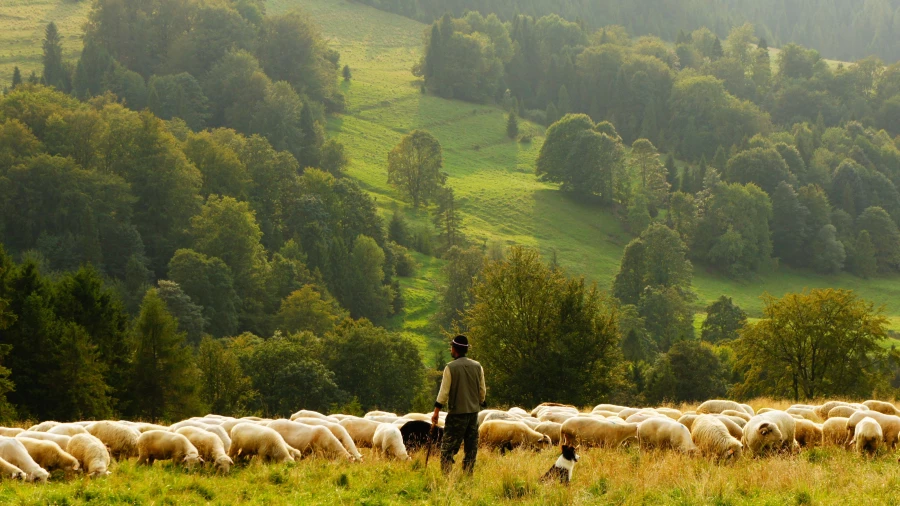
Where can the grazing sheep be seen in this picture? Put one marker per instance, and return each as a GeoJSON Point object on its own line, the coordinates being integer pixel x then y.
{"type": "Point", "coordinates": [674, 414]}
{"type": "Point", "coordinates": [191, 423]}
{"type": "Point", "coordinates": [740, 414]}
{"type": "Point", "coordinates": [882, 407]}
{"type": "Point", "coordinates": [518, 411]}
{"type": "Point", "coordinates": [304, 413]}
{"type": "Point", "coordinates": [361, 430]}
{"type": "Point", "coordinates": [249, 439]}
{"type": "Point", "coordinates": [4, 431]}
{"type": "Point", "coordinates": [551, 429]}
{"type": "Point", "coordinates": [339, 432]}
{"type": "Point", "coordinates": [734, 429]}
{"type": "Point", "coordinates": [156, 445]}
{"type": "Point", "coordinates": [765, 410]}
{"type": "Point", "coordinates": [748, 409]}
{"type": "Point", "coordinates": [544, 406]}
{"type": "Point", "coordinates": [43, 426]}
{"type": "Point", "coordinates": [890, 425]}
{"type": "Point", "coordinates": [772, 430]}
{"type": "Point", "coordinates": [665, 433]}
{"type": "Point", "coordinates": [380, 413]}
{"type": "Point", "coordinates": [494, 414]}
{"type": "Point", "coordinates": [625, 413]}
{"type": "Point", "coordinates": [735, 419]}
{"type": "Point", "coordinates": [808, 433]}
{"type": "Point", "coordinates": [383, 419]}
{"type": "Point", "coordinates": [718, 406]}
{"type": "Point", "coordinates": [62, 441]}
{"type": "Point", "coordinates": [824, 409]}
{"type": "Point", "coordinates": [209, 446]}
{"type": "Point", "coordinates": [609, 407]}
{"type": "Point", "coordinates": [840, 411]}
{"type": "Point", "coordinates": [640, 416]}
{"type": "Point", "coordinates": [688, 420]}
{"type": "Point", "coordinates": [8, 470]}
{"type": "Point", "coordinates": [49, 455]}
{"type": "Point", "coordinates": [507, 435]}
{"type": "Point", "coordinates": [220, 432]}
{"type": "Point", "coordinates": [805, 413]}
{"type": "Point", "coordinates": [388, 441]}
{"type": "Point", "coordinates": [13, 451]}
{"type": "Point", "coordinates": [144, 427]}
{"type": "Point", "coordinates": [67, 429]}
{"type": "Point", "coordinates": [121, 440]}
{"type": "Point", "coordinates": [595, 432]}
{"type": "Point", "coordinates": [868, 436]}
{"type": "Point", "coordinates": [834, 431]}
{"type": "Point", "coordinates": [309, 439]}
{"type": "Point", "coordinates": [713, 440]}
{"type": "Point", "coordinates": [556, 416]}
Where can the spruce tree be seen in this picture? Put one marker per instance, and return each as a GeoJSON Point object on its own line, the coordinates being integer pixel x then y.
{"type": "Point", "coordinates": [717, 51]}
{"type": "Point", "coordinates": [346, 73]}
{"type": "Point", "coordinates": [16, 77]}
{"type": "Point", "coordinates": [672, 173]}
{"type": "Point", "coordinates": [54, 71]}
{"type": "Point", "coordinates": [512, 125]}
{"type": "Point", "coordinates": [865, 264]}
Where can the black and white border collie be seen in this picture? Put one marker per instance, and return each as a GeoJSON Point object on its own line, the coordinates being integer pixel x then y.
{"type": "Point", "coordinates": [562, 469]}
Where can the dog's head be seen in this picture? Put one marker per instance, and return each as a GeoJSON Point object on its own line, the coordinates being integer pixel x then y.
{"type": "Point", "coordinates": [568, 453]}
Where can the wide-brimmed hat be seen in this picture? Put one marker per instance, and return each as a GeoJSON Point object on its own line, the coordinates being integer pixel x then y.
{"type": "Point", "coordinates": [460, 341]}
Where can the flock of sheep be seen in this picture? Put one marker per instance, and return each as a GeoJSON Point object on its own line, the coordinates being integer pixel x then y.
{"type": "Point", "coordinates": [720, 429]}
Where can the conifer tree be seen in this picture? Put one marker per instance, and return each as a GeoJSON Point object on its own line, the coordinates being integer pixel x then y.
{"type": "Point", "coordinates": [54, 71]}
{"type": "Point", "coordinates": [16, 77]}
{"type": "Point", "coordinates": [346, 73]}
{"type": "Point", "coordinates": [512, 125]}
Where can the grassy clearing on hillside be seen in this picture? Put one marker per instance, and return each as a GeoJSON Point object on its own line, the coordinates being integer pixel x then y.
{"type": "Point", "coordinates": [625, 476]}
{"type": "Point", "coordinates": [23, 23]}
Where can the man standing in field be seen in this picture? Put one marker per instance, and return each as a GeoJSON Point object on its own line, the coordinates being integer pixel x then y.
{"type": "Point", "coordinates": [463, 392]}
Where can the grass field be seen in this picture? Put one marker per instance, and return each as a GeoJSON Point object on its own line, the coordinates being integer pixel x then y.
{"type": "Point", "coordinates": [493, 177]}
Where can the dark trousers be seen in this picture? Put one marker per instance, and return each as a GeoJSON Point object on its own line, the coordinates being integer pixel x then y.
{"type": "Point", "coordinates": [460, 429]}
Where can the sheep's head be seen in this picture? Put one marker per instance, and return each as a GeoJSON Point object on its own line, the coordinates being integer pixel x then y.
{"type": "Point", "coordinates": [224, 464]}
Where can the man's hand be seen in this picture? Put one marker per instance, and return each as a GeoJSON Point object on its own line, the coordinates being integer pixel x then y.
{"type": "Point", "coordinates": [436, 416]}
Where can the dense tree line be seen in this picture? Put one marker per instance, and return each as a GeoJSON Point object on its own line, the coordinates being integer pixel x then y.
{"type": "Point", "coordinates": [840, 30]}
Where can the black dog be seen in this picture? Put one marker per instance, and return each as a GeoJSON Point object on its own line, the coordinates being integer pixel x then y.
{"type": "Point", "coordinates": [565, 464]}
{"type": "Point", "coordinates": [417, 434]}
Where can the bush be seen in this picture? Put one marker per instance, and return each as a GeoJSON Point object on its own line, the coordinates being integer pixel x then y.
{"type": "Point", "coordinates": [536, 116]}
{"type": "Point", "coordinates": [404, 264]}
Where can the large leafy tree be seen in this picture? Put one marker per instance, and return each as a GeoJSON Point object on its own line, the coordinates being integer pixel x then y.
{"type": "Point", "coordinates": [414, 166]}
{"type": "Point", "coordinates": [656, 259]}
{"type": "Point", "coordinates": [531, 321]}
{"type": "Point", "coordinates": [723, 320]}
{"type": "Point", "coordinates": [810, 345]}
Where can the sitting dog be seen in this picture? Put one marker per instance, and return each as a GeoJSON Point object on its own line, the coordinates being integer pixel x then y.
{"type": "Point", "coordinates": [562, 469]}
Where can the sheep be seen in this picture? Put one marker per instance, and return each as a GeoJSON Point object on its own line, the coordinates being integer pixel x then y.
{"type": "Point", "coordinates": [209, 446]}
{"type": "Point", "coordinates": [121, 440]}
{"type": "Point", "coordinates": [14, 452]}
{"type": "Point", "coordinates": [808, 433]}
{"type": "Point", "coordinates": [748, 409]}
{"type": "Point", "coordinates": [592, 432]}
{"type": "Point", "coordinates": [824, 409]}
{"type": "Point", "coordinates": [308, 439]}
{"type": "Point", "coordinates": [419, 417]}
{"type": "Point", "coordinates": [605, 414]}
{"type": "Point", "coordinates": [370, 414]}
{"type": "Point", "coordinates": [507, 435]}
{"type": "Point", "coordinates": [840, 411]}
{"type": "Point", "coordinates": [388, 441]}
{"type": "Point", "coordinates": [303, 413]}
{"type": "Point", "coordinates": [518, 411]}
{"type": "Point", "coordinates": [688, 420]}
{"type": "Point", "coordinates": [361, 430]}
{"type": "Point", "coordinates": [834, 431]}
{"type": "Point", "coordinates": [383, 419]}
{"type": "Point", "coordinates": [8, 470]}
{"type": "Point", "coordinates": [156, 445]}
{"type": "Point", "coordinates": [765, 410]}
{"type": "Point", "coordinates": [640, 416]}
{"type": "Point", "coordinates": [665, 433]}
{"type": "Point", "coordinates": [191, 423]}
{"type": "Point", "coordinates": [772, 430]}
{"type": "Point", "coordinates": [495, 414]}
{"type": "Point", "coordinates": [805, 413]}
{"type": "Point", "coordinates": [868, 436]}
{"type": "Point", "coordinates": [741, 422]}
{"type": "Point", "coordinates": [609, 407]}
{"type": "Point", "coordinates": [551, 429]}
{"type": "Point", "coordinates": [49, 455]}
{"type": "Point", "coordinates": [222, 435]}
{"type": "Point", "coordinates": [740, 414]}
{"type": "Point", "coordinates": [536, 412]}
{"type": "Point", "coordinates": [67, 429]}
{"type": "Point", "coordinates": [62, 441]}
{"type": "Point", "coordinates": [713, 440]}
{"type": "Point", "coordinates": [249, 439]}
{"type": "Point", "coordinates": [625, 413]}
{"type": "Point", "coordinates": [339, 432]}
{"type": "Point", "coordinates": [556, 416]}
{"type": "Point", "coordinates": [882, 407]}
{"type": "Point", "coordinates": [4, 431]}
{"type": "Point", "coordinates": [144, 427]}
{"type": "Point", "coordinates": [43, 426]}
{"type": "Point", "coordinates": [718, 406]}
{"type": "Point", "coordinates": [674, 414]}
{"type": "Point", "coordinates": [890, 425]}
{"type": "Point", "coordinates": [734, 429]}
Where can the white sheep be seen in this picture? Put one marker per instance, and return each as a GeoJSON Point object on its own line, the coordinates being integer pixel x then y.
{"type": "Point", "coordinates": [890, 425]}
{"type": "Point", "coordinates": [595, 432]}
{"type": "Point", "coordinates": [834, 431]}
{"type": "Point", "coordinates": [91, 454]}
{"type": "Point", "coordinates": [552, 430]}
{"type": "Point", "coordinates": [8, 470]}
{"type": "Point", "coordinates": [156, 445]}
{"type": "Point", "coordinates": [718, 406]}
{"type": "Point", "coordinates": [388, 441]}
{"type": "Point", "coordinates": [362, 430]}
{"type": "Point", "coordinates": [665, 433]}
{"type": "Point", "coordinates": [62, 441]}
{"type": "Point", "coordinates": [868, 436]}
{"type": "Point", "coordinates": [882, 407]}
{"type": "Point", "coordinates": [808, 433]}
{"type": "Point", "coordinates": [121, 439]}
{"type": "Point", "coordinates": [222, 435]}
{"type": "Point", "coordinates": [310, 439]}
{"type": "Point", "coordinates": [713, 440]}
{"type": "Point", "coordinates": [13, 451]}
{"type": "Point", "coordinates": [43, 426]}
{"type": "Point", "coordinates": [305, 413]}
{"type": "Point", "coordinates": [339, 432]}
{"type": "Point", "coordinates": [771, 430]}
{"type": "Point", "coordinates": [840, 411]}
{"type": "Point", "coordinates": [249, 439]}
{"type": "Point", "coordinates": [67, 429]}
{"type": "Point", "coordinates": [10, 432]}
{"type": "Point", "coordinates": [209, 446]}
{"type": "Point", "coordinates": [49, 455]}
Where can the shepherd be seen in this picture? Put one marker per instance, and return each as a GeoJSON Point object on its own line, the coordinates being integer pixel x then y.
{"type": "Point", "coordinates": [463, 392]}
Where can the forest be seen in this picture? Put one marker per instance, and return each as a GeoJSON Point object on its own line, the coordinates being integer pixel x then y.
{"type": "Point", "coordinates": [179, 234]}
